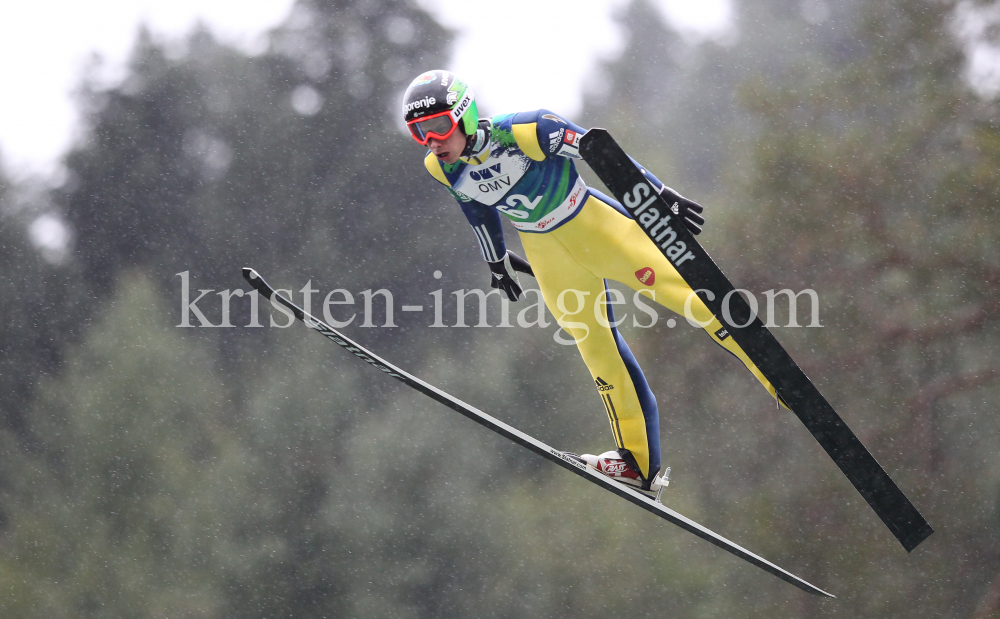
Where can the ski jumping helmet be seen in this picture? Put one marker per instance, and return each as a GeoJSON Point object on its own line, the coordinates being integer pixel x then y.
{"type": "Point", "coordinates": [437, 102]}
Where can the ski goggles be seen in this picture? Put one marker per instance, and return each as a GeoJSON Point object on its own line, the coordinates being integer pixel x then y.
{"type": "Point", "coordinates": [439, 126]}
{"type": "Point", "coordinates": [442, 124]}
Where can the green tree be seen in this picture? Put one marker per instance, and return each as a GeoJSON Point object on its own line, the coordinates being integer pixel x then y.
{"type": "Point", "coordinates": [259, 473]}
{"type": "Point", "coordinates": [40, 301]}
{"type": "Point", "coordinates": [673, 99]}
{"type": "Point", "coordinates": [127, 510]}
{"type": "Point", "coordinates": [879, 188]}
{"type": "Point", "coordinates": [871, 179]}
{"type": "Point", "coordinates": [289, 160]}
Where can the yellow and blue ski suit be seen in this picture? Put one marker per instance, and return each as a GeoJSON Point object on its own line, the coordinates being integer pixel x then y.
{"type": "Point", "coordinates": [576, 238]}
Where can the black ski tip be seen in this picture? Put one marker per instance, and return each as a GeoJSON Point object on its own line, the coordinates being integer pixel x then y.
{"type": "Point", "coordinates": [915, 535]}
{"type": "Point", "coordinates": [592, 136]}
{"type": "Point", "coordinates": [258, 283]}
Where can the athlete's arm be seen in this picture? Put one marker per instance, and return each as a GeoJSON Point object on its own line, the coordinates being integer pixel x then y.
{"type": "Point", "coordinates": [485, 222]}
{"type": "Point", "coordinates": [552, 135]}
{"type": "Point", "coordinates": [503, 263]}
{"type": "Point", "coordinates": [688, 210]}
{"type": "Point", "coordinates": [556, 136]}
{"type": "Point", "coordinates": [560, 137]}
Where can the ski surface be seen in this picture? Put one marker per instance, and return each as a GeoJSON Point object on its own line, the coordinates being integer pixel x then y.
{"type": "Point", "coordinates": [640, 198]}
{"type": "Point", "coordinates": [525, 440]}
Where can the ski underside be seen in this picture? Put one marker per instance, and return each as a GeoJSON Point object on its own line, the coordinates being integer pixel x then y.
{"type": "Point", "coordinates": [620, 174]}
{"type": "Point", "coordinates": [550, 453]}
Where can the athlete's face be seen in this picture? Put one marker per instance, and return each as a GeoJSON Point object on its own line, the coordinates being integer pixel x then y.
{"type": "Point", "coordinates": [450, 149]}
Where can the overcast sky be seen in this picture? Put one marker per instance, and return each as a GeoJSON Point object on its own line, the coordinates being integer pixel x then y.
{"type": "Point", "coordinates": [45, 44]}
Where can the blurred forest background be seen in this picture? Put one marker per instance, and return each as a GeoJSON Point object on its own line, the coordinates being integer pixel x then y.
{"type": "Point", "coordinates": [153, 471]}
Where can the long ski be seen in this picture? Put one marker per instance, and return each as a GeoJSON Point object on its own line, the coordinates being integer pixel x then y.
{"type": "Point", "coordinates": [529, 442]}
{"type": "Point", "coordinates": [628, 184]}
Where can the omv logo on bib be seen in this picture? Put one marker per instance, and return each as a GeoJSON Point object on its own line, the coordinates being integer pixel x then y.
{"type": "Point", "coordinates": [484, 174]}
{"type": "Point", "coordinates": [490, 179]}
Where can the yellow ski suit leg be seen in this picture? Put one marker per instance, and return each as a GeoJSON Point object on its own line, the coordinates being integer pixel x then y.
{"type": "Point", "coordinates": [570, 264]}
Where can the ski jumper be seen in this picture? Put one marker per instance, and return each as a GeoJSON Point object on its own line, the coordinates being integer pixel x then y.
{"type": "Point", "coordinates": [576, 239]}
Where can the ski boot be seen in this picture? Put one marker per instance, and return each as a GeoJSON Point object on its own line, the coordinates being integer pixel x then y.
{"type": "Point", "coordinates": [618, 467]}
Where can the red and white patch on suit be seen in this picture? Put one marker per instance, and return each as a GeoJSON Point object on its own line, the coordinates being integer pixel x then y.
{"type": "Point", "coordinates": [646, 275]}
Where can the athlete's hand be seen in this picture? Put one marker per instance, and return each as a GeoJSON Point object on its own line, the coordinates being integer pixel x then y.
{"type": "Point", "coordinates": [688, 210]}
{"type": "Point", "coordinates": [519, 263]}
{"type": "Point", "coordinates": [503, 276]}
